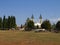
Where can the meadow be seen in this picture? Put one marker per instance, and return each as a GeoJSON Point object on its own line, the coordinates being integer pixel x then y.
{"type": "Point", "coordinates": [28, 38]}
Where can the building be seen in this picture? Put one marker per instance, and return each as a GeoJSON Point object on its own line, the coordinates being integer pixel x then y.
{"type": "Point", "coordinates": [38, 23]}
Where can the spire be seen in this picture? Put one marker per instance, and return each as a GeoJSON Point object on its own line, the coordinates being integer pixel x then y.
{"type": "Point", "coordinates": [32, 17]}
{"type": "Point", "coordinates": [40, 19]}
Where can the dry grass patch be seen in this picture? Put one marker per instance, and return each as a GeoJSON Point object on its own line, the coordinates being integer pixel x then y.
{"type": "Point", "coordinates": [29, 38]}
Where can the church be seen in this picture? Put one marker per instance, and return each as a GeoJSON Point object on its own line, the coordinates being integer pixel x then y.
{"type": "Point", "coordinates": [38, 23]}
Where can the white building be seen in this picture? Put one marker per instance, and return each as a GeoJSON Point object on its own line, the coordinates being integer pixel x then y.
{"type": "Point", "coordinates": [39, 22]}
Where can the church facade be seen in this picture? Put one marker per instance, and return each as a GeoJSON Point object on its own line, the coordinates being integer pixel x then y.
{"type": "Point", "coordinates": [38, 23]}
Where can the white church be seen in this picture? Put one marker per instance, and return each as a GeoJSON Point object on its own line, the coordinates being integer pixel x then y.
{"type": "Point", "coordinates": [38, 23]}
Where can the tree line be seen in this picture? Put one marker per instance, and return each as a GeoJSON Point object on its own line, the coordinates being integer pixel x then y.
{"type": "Point", "coordinates": [7, 23]}
{"type": "Point", "coordinates": [29, 25]}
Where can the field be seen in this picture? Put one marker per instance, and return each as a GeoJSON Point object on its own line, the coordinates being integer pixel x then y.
{"type": "Point", "coordinates": [29, 38]}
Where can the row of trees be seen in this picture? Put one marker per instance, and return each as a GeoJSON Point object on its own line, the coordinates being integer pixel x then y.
{"type": "Point", "coordinates": [7, 23]}
{"type": "Point", "coordinates": [47, 25]}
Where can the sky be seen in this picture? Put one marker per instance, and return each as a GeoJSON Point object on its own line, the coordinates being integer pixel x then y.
{"type": "Point", "coordinates": [22, 9]}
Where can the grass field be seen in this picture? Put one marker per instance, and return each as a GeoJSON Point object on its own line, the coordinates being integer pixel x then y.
{"type": "Point", "coordinates": [29, 38]}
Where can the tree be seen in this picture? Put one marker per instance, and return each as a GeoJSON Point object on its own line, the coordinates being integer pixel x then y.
{"type": "Point", "coordinates": [58, 26]}
{"type": "Point", "coordinates": [9, 22]}
{"type": "Point", "coordinates": [4, 23]}
{"type": "Point", "coordinates": [27, 20]}
{"type": "Point", "coordinates": [46, 25]}
{"type": "Point", "coordinates": [54, 26]}
{"type": "Point", "coordinates": [13, 22]}
{"type": "Point", "coordinates": [29, 25]}
{"type": "Point", "coordinates": [0, 23]}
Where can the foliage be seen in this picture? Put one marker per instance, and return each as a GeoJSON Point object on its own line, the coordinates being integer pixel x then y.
{"type": "Point", "coordinates": [58, 25]}
{"type": "Point", "coordinates": [46, 25]}
{"type": "Point", "coordinates": [8, 23]}
{"type": "Point", "coordinates": [4, 23]}
{"type": "Point", "coordinates": [54, 26]}
{"type": "Point", "coordinates": [13, 22]}
{"type": "Point", "coordinates": [0, 23]}
{"type": "Point", "coordinates": [29, 25]}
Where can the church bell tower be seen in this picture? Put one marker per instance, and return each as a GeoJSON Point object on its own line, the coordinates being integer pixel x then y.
{"type": "Point", "coordinates": [32, 17]}
{"type": "Point", "coordinates": [40, 18]}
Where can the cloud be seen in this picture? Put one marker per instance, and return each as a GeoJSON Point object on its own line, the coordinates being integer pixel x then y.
{"type": "Point", "coordinates": [54, 20]}
{"type": "Point", "coordinates": [58, 19]}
